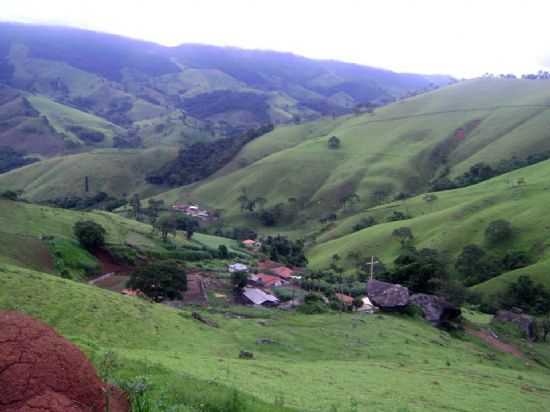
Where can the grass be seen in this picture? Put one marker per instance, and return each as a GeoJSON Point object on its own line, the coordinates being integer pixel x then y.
{"type": "Point", "coordinates": [316, 362]}
{"type": "Point", "coordinates": [117, 172]}
{"type": "Point", "coordinates": [23, 226]}
{"type": "Point", "coordinates": [387, 152]}
{"type": "Point", "coordinates": [62, 118]}
{"type": "Point", "coordinates": [457, 218]}
{"type": "Point", "coordinates": [72, 261]}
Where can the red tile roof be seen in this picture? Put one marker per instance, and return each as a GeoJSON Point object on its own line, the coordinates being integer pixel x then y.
{"type": "Point", "coordinates": [268, 280]}
{"type": "Point", "coordinates": [283, 272]}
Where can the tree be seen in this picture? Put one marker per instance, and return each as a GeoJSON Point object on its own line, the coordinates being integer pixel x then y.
{"type": "Point", "coordinates": [281, 249]}
{"type": "Point", "coordinates": [166, 224]}
{"type": "Point", "coordinates": [397, 216]}
{"type": "Point", "coordinates": [334, 143]}
{"type": "Point", "coordinates": [223, 252]}
{"type": "Point", "coordinates": [9, 195]}
{"type": "Point", "coordinates": [364, 223]}
{"type": "Point", "coordinates": [498, 231]}
{"type": "Point", "coordinates": [187, 224]}
{"type": "Point", "coordinates": [155, 206]}
{"type": "Point", "coordinates": [239, 279]}
{"type": "Point", "coordinates": [527, 295]}
{"type": "Point", "coordinates": [160, 280]}
{"type": "Point", "coordinates": [90, 234]}
{"type": "Point", "coordinates": [405, 236]}
{"type": "Point", "coordinates": [422, 271]}
{"type": "Point", "coordinates": [351, 200]}
{"type": "Point", "coordinates": [429, 198]}
{"type": "Point", "coordinates": [545, 327]}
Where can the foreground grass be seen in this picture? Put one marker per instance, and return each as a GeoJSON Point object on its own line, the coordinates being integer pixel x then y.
{"type": "Point", "coordinates": [340, 361]}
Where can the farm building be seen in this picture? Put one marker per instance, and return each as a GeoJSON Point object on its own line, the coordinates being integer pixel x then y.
{"type": "Point", "coordinates": [283, 272]}
{"type": "Point", "coordinates": [251, 244]}
{"type": "Point", "coordinates": [238, 267]}
{"type": "Point", "coordinates": [257, 296]}
{"type": "Point", "coordinates": [268, 281]}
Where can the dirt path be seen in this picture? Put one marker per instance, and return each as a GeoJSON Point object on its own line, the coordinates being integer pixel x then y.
{"type": "Point", "coordinates": [101, 278]}
{"type": "Point", "coordinates": [493, 342]}
{"type": "Point", "coordinates": [195, 293]}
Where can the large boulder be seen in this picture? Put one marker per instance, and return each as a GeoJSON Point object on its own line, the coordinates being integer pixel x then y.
{"type": "Point", "coordinates": [436, 310]}
{"type": "Point", "coordinates": [524, 322]}
{"type": "Point", "coordinates": [40, 371]}
{"type": "Point", "coordinates": [387, 296]}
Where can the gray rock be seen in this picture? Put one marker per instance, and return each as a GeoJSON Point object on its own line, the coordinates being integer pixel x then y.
{"type": "Point", "coordinates": [436, 310]}
{"type": "Point", "coordinates": [246, 355]}
{"type": "Point", "coordinates": [265, 341]}
{"type": "Point", "coordinates": [524, 322]}
{"type": "Point", "coordinates": [387, 296]}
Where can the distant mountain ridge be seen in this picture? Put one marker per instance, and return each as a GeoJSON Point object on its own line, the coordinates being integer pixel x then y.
{"type": "Point", "coordinates": [136, 93]}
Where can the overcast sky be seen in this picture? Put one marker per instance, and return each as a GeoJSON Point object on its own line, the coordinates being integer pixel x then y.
{"type": "Point", "coordinates": [464, 38]}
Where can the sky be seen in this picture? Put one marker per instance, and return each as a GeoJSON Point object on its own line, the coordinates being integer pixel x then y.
{"type": "Point", "coordinates": [463, 38]}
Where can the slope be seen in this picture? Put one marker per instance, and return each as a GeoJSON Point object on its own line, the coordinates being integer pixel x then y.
{"type": "Point", "coordinates": [398, 149]}
{"type": "Point", "coordinates": [318, 363]}
{"type": "Point", "coordinates": [225, 90]}
{"type": "Point", "coordinates": [455, 219]}
{"type": "Point", "coordinates": [118, 172]}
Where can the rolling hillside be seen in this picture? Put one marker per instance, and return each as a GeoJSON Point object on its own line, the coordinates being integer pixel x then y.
{"type": "Point", "coordinates": [455, 219]}
{"type": "Point", "coordinates": [318, 363]}
{"type": "Point", "coordinates": [130, 88]}
{"type": "Point", "coordinates": [118, 172]}
{"type": "Point", "coordinates": [400, 148]}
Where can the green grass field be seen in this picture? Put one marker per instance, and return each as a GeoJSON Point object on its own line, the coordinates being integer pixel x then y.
{"type": "Point", "coordinates": [457, 218]}
{"type": "Point", "coordinates": [62, 118]}
{"type": "Point", "coordinates": [318, 363]}
{"type": "Point", "coordinates": [116, 172]}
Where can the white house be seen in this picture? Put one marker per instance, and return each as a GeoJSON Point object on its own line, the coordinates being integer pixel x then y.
{"type": "Point", "coordinates": [238, 267]}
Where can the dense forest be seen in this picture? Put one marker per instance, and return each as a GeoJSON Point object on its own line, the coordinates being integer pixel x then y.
{"type": "Point", "coordinates": [202, 159]}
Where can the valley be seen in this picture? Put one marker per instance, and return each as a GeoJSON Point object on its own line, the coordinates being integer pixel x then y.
{"type": "Point", "coordinates": [222, 229]}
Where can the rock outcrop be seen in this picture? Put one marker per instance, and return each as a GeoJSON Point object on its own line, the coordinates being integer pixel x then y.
{"type": "Point", "coordinates": [524, 322]}
{"type": "Point", "coordinates": [435, 309]}
{"type": "Point", "coordinates": [40, 371]}
{"type": "Point", "coordinates": [387, 296]}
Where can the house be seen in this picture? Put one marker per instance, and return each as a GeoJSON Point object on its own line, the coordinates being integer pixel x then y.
{"type": "Point", "coordinates": [252, 244]}
{"type": "Point", "coordinates": [257, 296]}
{"type": "Point", "coordinates": [267, 281]}
{"type": "Point", "coordinates": [238, 267]}
{"type": "Point", "coordinates": [283, 272]}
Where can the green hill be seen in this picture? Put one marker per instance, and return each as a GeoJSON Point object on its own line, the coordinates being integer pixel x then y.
{"type": "Point", "coordinates": [317, 363]}
{"type": "Point", "coordinates": [211, 90]}
{"type": "Point", "coordinates": [118, 172]}
{"type": "Point", "coordinates": [400, 148]}
{"type": "Point", "coordinates": [455, 219]}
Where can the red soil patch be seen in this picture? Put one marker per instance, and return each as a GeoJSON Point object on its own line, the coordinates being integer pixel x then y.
{"type": "Point", "coordinates": [108, 264]}
{"type": "Point", "coordinates": [41, 371]}
{"type": "Point", "coordinates": [490, 340]}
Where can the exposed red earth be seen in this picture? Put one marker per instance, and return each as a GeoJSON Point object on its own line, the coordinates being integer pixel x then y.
{"type": "Point", "coordinates": [40, 371]}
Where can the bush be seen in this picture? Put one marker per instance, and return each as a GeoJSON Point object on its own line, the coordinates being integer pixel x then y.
{"type": "Point", "coordinates": [160, 280]}
{"type": "Point", "coordinates": [90, 234]}
{"type": "Point", "coordinates": [498, 231]}
{"type": "Point", "coordinates": [364, 223]}
{"type": "Point", "coordinates": [239, 279]}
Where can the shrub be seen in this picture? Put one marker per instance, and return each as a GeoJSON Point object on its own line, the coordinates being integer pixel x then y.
{"type": "Point", "coordinates": [160, 280]}
{"type": "Point", "coordinates": [239, 279]}
{"type": "Point", "coordinates": [498, 231]}
{"type": "Point", "coordinates": [90, 234]}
